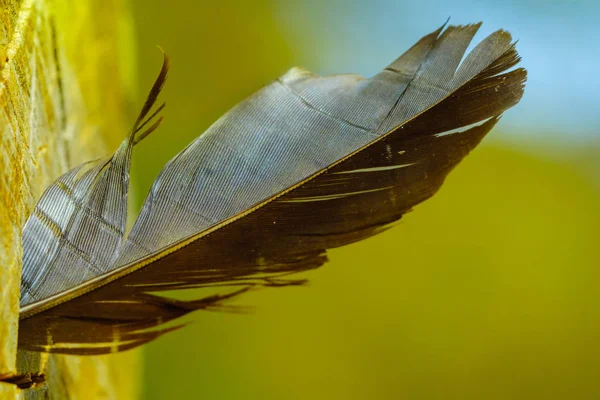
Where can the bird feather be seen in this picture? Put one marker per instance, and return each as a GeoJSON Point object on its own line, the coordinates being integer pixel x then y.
{"type": "Point", "coordinates": [306, 164]}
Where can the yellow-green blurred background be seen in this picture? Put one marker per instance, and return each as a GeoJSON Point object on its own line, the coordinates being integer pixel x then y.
{"type": "Point", "coordinates": [488, 291]}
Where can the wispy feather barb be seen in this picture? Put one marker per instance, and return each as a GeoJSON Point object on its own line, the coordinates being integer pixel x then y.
{"type": "Point", "coordinates": [306, 164]}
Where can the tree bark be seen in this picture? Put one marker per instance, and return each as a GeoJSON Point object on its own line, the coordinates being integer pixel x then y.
{"type": "Point", "coordinates": [66, 81]}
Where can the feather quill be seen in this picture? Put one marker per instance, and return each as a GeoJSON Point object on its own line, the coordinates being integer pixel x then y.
{"type": "Point", "coordinates": [306, 164]}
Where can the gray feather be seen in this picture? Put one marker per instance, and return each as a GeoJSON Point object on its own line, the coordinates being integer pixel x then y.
{"type": "Point", "coordinates": [288, 131]}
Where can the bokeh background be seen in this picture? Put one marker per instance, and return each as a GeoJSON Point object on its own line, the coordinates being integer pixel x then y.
{"type": "Point", "coordinates": [490, 290]}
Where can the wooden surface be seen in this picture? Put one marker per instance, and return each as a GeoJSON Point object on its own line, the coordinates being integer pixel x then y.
{"type": "Point", "coordinates": [66, 76]}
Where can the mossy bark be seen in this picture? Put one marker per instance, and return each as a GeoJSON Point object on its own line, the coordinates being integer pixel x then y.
{"type": "Point", "coordinates": [65, 87]}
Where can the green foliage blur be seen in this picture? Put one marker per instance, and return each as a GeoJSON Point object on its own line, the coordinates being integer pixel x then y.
{"type": "Point", "coordinates": [490, 290]}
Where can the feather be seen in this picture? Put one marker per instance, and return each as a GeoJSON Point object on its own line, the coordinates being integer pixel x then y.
{"type": "Point", "coordinates": [306, 164]}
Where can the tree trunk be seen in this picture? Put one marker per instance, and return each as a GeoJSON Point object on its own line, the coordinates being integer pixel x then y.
{"type": "Point", "coordinates": [65, 87]}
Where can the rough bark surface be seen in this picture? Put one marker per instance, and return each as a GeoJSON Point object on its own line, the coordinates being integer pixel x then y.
{"type": "Point", "coordinates": [65, 86]}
